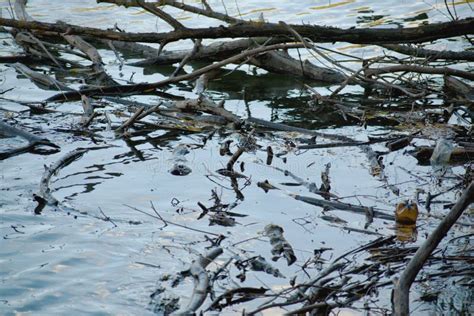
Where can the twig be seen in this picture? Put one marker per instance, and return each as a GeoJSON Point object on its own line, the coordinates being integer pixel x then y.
{"type": "Point", "coordinates": [167, 222]}
{"type": "Point", "coordinates": [131, 120]}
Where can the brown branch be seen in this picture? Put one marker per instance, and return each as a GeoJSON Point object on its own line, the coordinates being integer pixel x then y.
{"type": "Point", "coordinates": [320, 34]}
{"type": "Point", "coordinates": [131, 120]}
{"type": "Point", "coordinates": [179, 5]}
{"type": "Point", "coordinates": [430, 53]}
{"type": "Point", "coordinates": [421, 69]}
{"type": "Point", "coordinates": [161, 14]}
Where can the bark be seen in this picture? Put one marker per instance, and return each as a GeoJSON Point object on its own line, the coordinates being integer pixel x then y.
{"type": "Point", "coordinates": [317, 34]}
{"type": "Point", "coordinates": [421, 69]}
{"type": "Point", "coordinates": [430, 53]}
{"type": "Point", "coordinates": [282, 63]}
{"type": "Point", "coordinates": [459, 88]}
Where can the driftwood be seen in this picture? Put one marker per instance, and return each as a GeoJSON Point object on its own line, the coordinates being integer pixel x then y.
{"type": "Point", "coordinates": [421, 69]}
{"type": "Point", "coordinates": [276, 62]}
{"type": "Point", "coordinates": [363, 210]}
{"type": "Point", "coordinates": [41, 80]}
{"type": "Point", "coordinates": [318, 34]}
{"type": "Point", "coordinates": [201, 281]}
{"type": "Point", "coordinates": [266, 46]}
{"type": "Point", "coordinates": [33, 141]}
{"type": "Point", "coordinates": [148, 87]}
{"type": "Point", "coordinates": [44, 189]}
{"type": "Point", "coordinates": [430, 53]}
{"type": "Point", "coordinates": [459, 88]}
{"type": "Point", "coordinates": [458, 154]}
{"type": "Point", "coordinates": [212, 52]}
{"type": "Point", "coordinates": [401, 291]}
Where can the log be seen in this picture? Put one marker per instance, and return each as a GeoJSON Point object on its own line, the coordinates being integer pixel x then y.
{"type": "Point", "coordinates": [150, 87]}
{"type": "Point", "coordinates": [282, 63]}
{"type": "Point", "coordinates": [430, 53]}
{"type": "Point", "coordinates": [317, 34]}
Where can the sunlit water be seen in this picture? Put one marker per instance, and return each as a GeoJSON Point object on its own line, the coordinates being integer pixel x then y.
{"type": "Point", "coordinates": [66, 263]}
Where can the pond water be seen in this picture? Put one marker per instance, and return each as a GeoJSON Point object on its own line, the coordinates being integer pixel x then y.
{"type": "Point", "coordinates": [65, 262]}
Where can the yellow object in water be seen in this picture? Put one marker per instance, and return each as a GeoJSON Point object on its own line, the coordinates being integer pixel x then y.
{"type": "Point", "coordinates": [406, 213]}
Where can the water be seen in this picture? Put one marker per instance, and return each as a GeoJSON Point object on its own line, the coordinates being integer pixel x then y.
{"type": "Point", "coordinates": [64, 262]}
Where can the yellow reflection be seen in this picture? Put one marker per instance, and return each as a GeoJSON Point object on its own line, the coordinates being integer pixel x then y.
{"type": "Point", "coordinates": [406, 233]}
{"type": "Point", "coordinates": [332, 5]}
{"type": "Point", "coordinates": [258, 10]}
{"type": "Point", "coordinates": [463, 2]}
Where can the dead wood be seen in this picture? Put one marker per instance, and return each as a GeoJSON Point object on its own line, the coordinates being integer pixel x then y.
{"type": "Point", "coordinates": [280, 246]}
{"type": "Point", "coordinates": [89, 50]}
{"type": "Point", "coordinates": [363, 210]}
{"type": "Point", "coordinates": [44, 189]}
{"type": "Point", "coordinates": [446, 71]}
{"type": "Point", "coordinates": [401, 291]}
{"type": "Point", "coordinates": [318, 34]}
{"type": "Point", "coordinates": [131, 120]}
{"type": "Point", "coordinates": [459, 88]}
{"type": "Point", "coordinates": [33, 141]}
{"type": "Point", "coordinates": [430, 54]}
{"type": "Point", "coordinates": [282, 63]}
{"type": "Point", "coordinates": [458, 154]}
{"type": "Point", "coordinates": [149, 87]}
{"type": "Point", "coordinates": [212, 52]}
{"type": "Point", "coordinates": [180, 5]}
{"type": "Point", "coordinates": [41, 80]}
{"type": "Point", "coordinates": [201, 281]}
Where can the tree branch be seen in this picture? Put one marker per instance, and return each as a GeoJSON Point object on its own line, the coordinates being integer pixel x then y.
{"type": "Point", "coordinates": [320, 34]}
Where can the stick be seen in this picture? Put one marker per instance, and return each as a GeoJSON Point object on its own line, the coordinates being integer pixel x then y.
{"type": "Point", "coordinates": [201, 281]}
{"type": "Point", "coordinates": [45, 190]}
{"type": "Point", "coordinates": [342, 206]}
{"type": "Point", "coordinates": [401, 292]}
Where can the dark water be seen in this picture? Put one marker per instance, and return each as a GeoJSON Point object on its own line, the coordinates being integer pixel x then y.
{"type": "Point", "coordinates": [63, 262]}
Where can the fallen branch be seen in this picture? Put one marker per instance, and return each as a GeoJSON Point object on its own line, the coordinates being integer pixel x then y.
{"type": "Point", "coordinates": [421, 69]}
{"type": "Point", "coordinates": [320, 34]}
{"type": "Point", "coordinates": [401, 292]}
{"type": "Point", "coordinates": [430, 54]}
{"type": "Point", "coordinates": [150, 87]}
{"type": "Point", "coordinates": [201, 281]}
{"type": "Point", "coordinates": [342, 206]}
{"type": "Point", "coordinates": [33, 141]}
{"type": "Point", "coordinates": [44, 189]}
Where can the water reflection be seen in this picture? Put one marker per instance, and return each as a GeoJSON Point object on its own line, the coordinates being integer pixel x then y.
{"type": "Point", "coordinates": [406, 233]}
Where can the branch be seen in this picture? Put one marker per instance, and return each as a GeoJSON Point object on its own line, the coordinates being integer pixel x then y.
{"type": "Point", "coordinates": [179, 5]}
{"type": "Point", "coordinates": [430, 53]}
{"type": "Point", "coordinates": [148, 87]}
{"type": "Point", "coordinates": [421, 69]}
{"type": "Point", "coordinates": [320, 34]}
{"type": "Point", "coordinates": [401, 292]}
{"type": "Point", "coordinates": [201, 281]}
